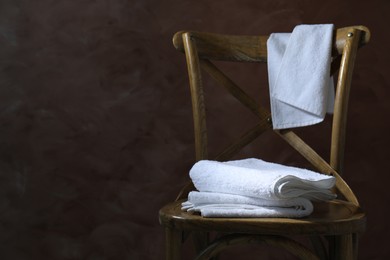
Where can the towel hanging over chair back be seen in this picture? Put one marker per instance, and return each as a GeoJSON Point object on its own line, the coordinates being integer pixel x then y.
{"type": "Point", "coordinates": [301, 89]}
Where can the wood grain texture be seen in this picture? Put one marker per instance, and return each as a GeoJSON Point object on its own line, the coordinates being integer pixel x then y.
{"type": "Point", "coordinates": [342, 97]}
{"type": "Point", "coordinates": [198, 104]}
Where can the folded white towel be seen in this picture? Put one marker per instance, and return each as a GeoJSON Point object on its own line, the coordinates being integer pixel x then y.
{"type": "Point", "coordinates": [260, 179]}
{"type": "Point", "coordinates": [301, 89]}
{"type": "Point", "coordinates": [259, 212]}
{"type": "Point", "coordinates": [211, 204]}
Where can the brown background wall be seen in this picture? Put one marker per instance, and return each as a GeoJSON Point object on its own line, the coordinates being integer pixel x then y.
{"type": "Point", "coordinates": [95, 127]}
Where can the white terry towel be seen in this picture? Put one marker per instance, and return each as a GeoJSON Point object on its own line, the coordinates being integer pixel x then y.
{"type": "Point", "coordinates": [211, 204]}
{"type": "Point", "coordinates": [260, 179]}
{"type": "Point", "coordinates": [301, 89]}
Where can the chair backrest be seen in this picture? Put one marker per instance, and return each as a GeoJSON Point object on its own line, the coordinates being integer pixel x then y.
{"type": "Point", "coordinates": [200, 48]}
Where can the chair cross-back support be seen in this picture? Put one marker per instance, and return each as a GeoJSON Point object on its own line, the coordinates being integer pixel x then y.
{"type": "Point", "coordinates": [339, 221]}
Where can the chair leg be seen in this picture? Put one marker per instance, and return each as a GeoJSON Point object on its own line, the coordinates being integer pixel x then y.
{"type": "Point", "coordinates": [355, 245]}
{"type": "Point", "coordinates": [172, 244]}
{"type": "Point", "coordinates": [319, 247]}
{"type": "Point", "coordinates": [345, 247]}
{"type": "Point", "coordinates": [201, 240]}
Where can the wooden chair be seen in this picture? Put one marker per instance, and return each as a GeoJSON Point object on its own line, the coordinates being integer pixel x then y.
{"type": "Point", "coordinates": [334, 226]}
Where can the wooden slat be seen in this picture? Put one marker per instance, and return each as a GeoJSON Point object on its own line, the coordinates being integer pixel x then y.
{"type": "Point", "coordinates": [234, 89]}
{"type": "Point", "coordinates": [227, 47]}
{"type": "Point", "coordinates": [317, 161]}
{"type": "Point", "coordinates": [244, 140]}
{"type": "Point", "coordinates": [341, 100]}
{"type": "Point", "coordinates": [198, 105]}
{"type": "Point", "coordinates": [245, 100]}
{"type": "Point", "coordinates": [249, 48]}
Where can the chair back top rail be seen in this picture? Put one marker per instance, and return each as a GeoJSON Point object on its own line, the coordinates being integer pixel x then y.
{"type": "Point", "coordinates": [250, 48]}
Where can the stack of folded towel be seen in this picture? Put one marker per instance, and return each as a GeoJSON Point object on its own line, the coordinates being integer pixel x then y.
{"type": "Point", "coordinates": [255, 188]}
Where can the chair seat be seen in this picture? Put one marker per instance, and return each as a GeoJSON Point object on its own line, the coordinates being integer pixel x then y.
{"type": "Point", "coordinates": [329, 218]}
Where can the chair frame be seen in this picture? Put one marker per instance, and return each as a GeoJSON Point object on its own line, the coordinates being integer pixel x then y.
{"type": "Point", "coordinates": [340, 221]}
